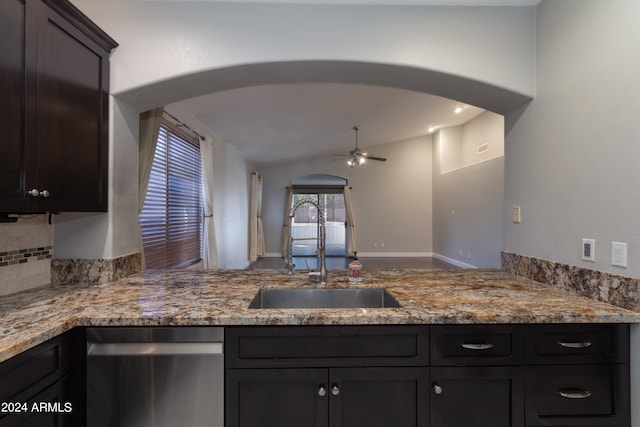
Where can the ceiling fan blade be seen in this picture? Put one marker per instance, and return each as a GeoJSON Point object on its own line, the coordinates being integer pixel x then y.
{"type": "Point", "coordinates": [380, 159]}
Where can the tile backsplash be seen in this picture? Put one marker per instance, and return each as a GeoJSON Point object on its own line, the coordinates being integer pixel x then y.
{"type": "Point", "coordinates": [20, 256]}
{"type": "Point", "coordinates": [26, 249]}
{"type": "Point", "coordinates": [602, 286]}
{"type": "Point", "coordinates": [27, 259]}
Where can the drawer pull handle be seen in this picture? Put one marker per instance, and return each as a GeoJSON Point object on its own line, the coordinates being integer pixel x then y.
{"type": "Point", "coordinates": [437, 389]}
{"type": "Point", "coordinates": [574, 393]}
{"type": "Point", "coordinates": [575, 344]}
{"type": "Point", "coordinates": [335, 390]}
{"type": "Point", "coordinates": [322, 392]}
{"type": "Point", "coordinates": [477, 346]}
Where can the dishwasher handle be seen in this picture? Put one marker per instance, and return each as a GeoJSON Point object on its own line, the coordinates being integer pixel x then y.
{"type": "Point", "coordinates": [153, 348]}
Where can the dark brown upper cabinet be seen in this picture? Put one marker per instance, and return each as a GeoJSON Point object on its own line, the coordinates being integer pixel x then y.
{"type": "Point", "coordinates": [54, 80]}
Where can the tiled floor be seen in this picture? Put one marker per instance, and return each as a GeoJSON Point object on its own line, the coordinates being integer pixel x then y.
{"type": "Point", "coordinates": [338, 263]}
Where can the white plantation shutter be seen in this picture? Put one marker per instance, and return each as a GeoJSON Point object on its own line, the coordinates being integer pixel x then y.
{"type": "Point", "coordinates": [171, 219]}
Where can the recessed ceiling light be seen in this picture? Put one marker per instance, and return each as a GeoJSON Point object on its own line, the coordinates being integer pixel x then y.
{"type": "Point", "coordinates": [458, 110]}
{"type": "Point", "coordinates": [432, 129]}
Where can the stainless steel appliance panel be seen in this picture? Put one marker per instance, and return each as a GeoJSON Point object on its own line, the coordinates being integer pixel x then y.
{"type": "Point", "coordinates": [155, 377]}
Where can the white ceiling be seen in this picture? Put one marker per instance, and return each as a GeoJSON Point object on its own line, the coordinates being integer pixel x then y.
{"type": "Point", "coordinates": [277, 123]}
{"type": "Point", "coordinates": [280, 123]}
{"type": "Point", "coordinates": [385, 2]}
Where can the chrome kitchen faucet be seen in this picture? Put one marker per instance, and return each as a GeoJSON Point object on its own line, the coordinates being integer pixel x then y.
{"type": "Point", "coordinates": [322, 273]}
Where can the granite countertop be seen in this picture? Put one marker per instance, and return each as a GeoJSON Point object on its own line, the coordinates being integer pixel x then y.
{"type": "Point", "coordinates": [221, 297]}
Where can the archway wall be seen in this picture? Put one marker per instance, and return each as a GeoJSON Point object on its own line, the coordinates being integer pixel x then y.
{"type": "Point", "coordinates": [172, 50]}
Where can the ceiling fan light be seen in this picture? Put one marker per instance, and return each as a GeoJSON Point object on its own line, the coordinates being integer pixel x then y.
{"type": "Point", "coordinates": [350, 163]}
{"type": "Point", "coordinates": [362, 160]}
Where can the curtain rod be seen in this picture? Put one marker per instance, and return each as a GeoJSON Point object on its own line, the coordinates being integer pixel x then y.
{"type": "Point", "coordinates": [180, 123]}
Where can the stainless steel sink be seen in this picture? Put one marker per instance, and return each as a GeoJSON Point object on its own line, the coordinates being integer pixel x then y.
{"type": "Point", "coordinates": [323, 298]}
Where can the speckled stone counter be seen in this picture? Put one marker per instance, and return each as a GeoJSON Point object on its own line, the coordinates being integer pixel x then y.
{"type": "Point", "coordinates": [179, 298]}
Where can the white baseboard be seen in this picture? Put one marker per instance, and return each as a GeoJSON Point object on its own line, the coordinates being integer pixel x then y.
{"type": "Point", "coordinates": [394, 254]}
{"type": "Point", "coordinates": [397, 255]}
{"type": "Point", "coordinates": [272, 255]}
{"type": "Point", "coordinates": [453, 261]}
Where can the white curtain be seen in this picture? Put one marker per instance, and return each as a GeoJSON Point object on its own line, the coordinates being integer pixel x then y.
{"type": "Point", "coordinates": [351, 224]}
{"type": "Point", "coordinates": [287, 222]}
{"type": "Point", "coordinates": [209, 249]}
{"type": "Point", "coordinates": [149, 129]}
{"type": "Point", "coordinates": [256, 232]}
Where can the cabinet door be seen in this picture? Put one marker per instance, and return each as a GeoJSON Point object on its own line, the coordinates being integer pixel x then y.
{"type": "Point", "coordinates": [17, 64]}
{"type": "Point", "coordinates": [276, 398]}
{"type": "Point", "coordinates": [477, 397]}
{"type": "Point", "coordinates": [72, 116]}
{"type": "Point", "coordinates": [49, 408]}
{"type": "Point", "coordinates": [378, 397]}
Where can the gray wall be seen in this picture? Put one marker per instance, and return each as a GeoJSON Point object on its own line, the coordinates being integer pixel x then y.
{"type": "Point", "coordinates": [572, 155]}
{"type": "Point", "coordinates": [391, 200]}
{"type": "Point", "coordinates": [467, 201]}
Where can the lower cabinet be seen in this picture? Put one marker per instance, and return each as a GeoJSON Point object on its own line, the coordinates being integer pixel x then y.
{"type": "Point", "coordinates": [276, 397]}
{"type": "Point", "coordinates": [44, 386]}
{"type": "Point", "coordinates": [345, 397]}
{"type": "Point", "coordinates": [430, 376]}
{"type": "Point", "coordinates": [583, 395]}
{"type": "Point", "coordinates": [477, 397]}
{"type": "Point", "coordinates": [50, 407]}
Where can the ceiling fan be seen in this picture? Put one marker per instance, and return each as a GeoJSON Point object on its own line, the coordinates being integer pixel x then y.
{"type": "Point", "coordinates": [359, 158]}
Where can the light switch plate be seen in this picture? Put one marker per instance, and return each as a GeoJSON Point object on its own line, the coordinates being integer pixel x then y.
{"type": "Point", "coordinates": [589, 250]}
{"type": "Point", "coordinates": [515, 213]}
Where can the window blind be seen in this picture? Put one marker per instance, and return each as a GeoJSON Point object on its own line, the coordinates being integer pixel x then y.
{"type": "Point", "coordinates": [171, 218]}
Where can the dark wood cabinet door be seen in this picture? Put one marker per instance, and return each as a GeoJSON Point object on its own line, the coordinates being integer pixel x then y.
{"type": "Point", "coordinates": [17, 63]}
{"type": "Point", "coordinates": [477, 397]}
{"type": "Point", "coordinates": [49, 408]}
{"type": "Point", "coordinates": [49, 376]}
{"type": "Point", "coordinates": [276, 398]}
{"type": "Point", "coordinates": [54, 80]}
{"type": "Point", "coordinates": [378, 397]}
{"type": "Point", "coordinates": [72, 84]}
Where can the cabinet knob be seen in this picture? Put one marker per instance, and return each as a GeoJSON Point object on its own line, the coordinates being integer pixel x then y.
{"type": "Point", "coordinates": [322, 392]}
{"type": "Point", "coordinates": [35, 193]}
{"type": "Point", "coordinates": [335, 390]}
{"type": "Point", "coordinates": [437, 389]}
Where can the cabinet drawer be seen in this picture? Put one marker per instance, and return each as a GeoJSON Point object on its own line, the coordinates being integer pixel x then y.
{"type": "Point", "coordinates": [477, 345]}
{"type": "Point", "coordinates": [577, 343]}
{"type": "Point", "coordinates": [326, 346]}
{"type": "Point", "coordinates": [583, 395]}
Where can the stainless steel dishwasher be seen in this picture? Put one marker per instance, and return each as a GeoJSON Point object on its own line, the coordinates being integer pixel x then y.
{"type": "Point", "coordinates": [155, 377]}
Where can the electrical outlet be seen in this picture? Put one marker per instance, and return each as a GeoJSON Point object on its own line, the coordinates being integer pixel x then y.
{"type": "Point", "coordinates": [589, 250]}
